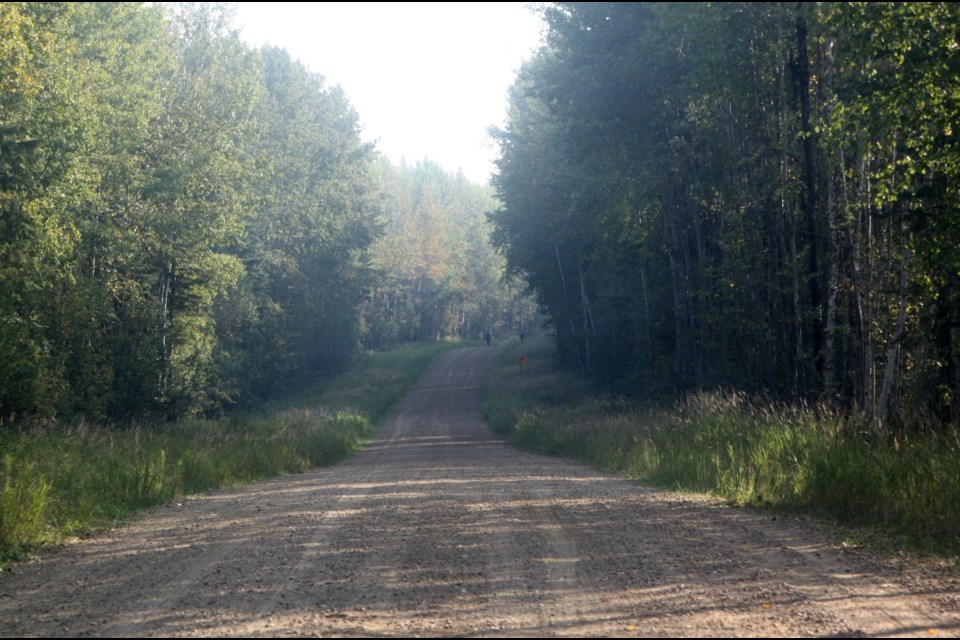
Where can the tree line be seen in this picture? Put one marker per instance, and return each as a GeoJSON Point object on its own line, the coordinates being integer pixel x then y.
{"type": "Point", "coordinates": [439, 276]}
{"type": "Point", "coordinates": [187, 223]}
{"type": "Point", "coordinates": [760, 196]}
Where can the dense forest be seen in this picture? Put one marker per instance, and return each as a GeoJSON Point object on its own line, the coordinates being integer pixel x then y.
{"type": "Point", "coordinates": [758, 196]}
{"type": "Point", "coordinates": [439, 276]}
{"type": "Point", "coordinates": [752, 196]}
{"type": "Point", "coordinates": [187, 223]}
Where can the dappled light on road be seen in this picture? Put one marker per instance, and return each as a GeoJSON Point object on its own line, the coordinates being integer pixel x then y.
{"type": "Point", "coordinates": [441, 528]}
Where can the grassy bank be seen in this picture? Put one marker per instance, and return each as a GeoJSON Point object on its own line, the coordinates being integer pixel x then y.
{"type": "Point", "coordinates": [748, 451]}
{"type": "Point", "coordinates": [59, 480]}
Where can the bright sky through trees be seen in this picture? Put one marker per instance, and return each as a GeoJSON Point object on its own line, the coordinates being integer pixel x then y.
{"type": "Point", "coordinates": [427, 79]}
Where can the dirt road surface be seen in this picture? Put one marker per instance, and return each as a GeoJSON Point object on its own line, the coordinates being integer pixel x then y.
{"type": "Point", "coordinates": [440, 528]}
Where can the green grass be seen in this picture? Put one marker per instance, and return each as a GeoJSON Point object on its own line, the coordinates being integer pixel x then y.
{"type": "Point", "coordinates": [58, 480]}
{"type": "Point", "coordinates": [748, 451]}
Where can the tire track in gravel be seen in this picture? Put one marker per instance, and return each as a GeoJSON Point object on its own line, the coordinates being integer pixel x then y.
{"type": "Point", "coordinates": [441, 528]}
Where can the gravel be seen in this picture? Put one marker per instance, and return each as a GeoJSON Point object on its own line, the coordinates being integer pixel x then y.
{"type": "Point", "coordinates": [441, 528]}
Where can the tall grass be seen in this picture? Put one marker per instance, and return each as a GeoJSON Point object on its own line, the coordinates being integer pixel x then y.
{"type": "Point", "coordinates": [747, 450]}
{"type": "Point", "coordinates": [60, 480]}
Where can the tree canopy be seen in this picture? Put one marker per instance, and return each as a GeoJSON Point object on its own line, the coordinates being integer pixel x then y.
{"type": "Point", "coordinates": [751, 195]}
{"type": "Point", "coordinates": [187, 223]}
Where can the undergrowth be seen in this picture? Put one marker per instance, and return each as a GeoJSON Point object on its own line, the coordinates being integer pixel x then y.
{"type": "Point", "coordinates": [59, 480]}
{"type": "Point", "coordinates": [746, 450]}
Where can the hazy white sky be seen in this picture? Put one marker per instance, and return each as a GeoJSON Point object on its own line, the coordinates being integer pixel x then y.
{"type": "Point", "coordinates": [428, 79]}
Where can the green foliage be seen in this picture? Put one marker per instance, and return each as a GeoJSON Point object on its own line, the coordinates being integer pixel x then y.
{"type": "Point", "coordinates": [314, 221]}
{"type": "Point", "coordinates": [756, 196]}
{"type": "Point", "coordinates": [183, 221]}
{"type": "Point", "coordinates": [437, 276]}
{"type": "Point", "coordinates": [24, 505]}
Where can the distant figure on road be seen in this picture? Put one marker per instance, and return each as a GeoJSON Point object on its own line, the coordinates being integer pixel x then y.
{"type": "Point", "coordinates": [487, 336]}
{"type": "Point", "coordinates": [521, 335]}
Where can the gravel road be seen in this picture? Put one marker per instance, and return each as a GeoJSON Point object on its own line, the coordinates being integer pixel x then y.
{"type": "Point", "coordinates": [441, 528]}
